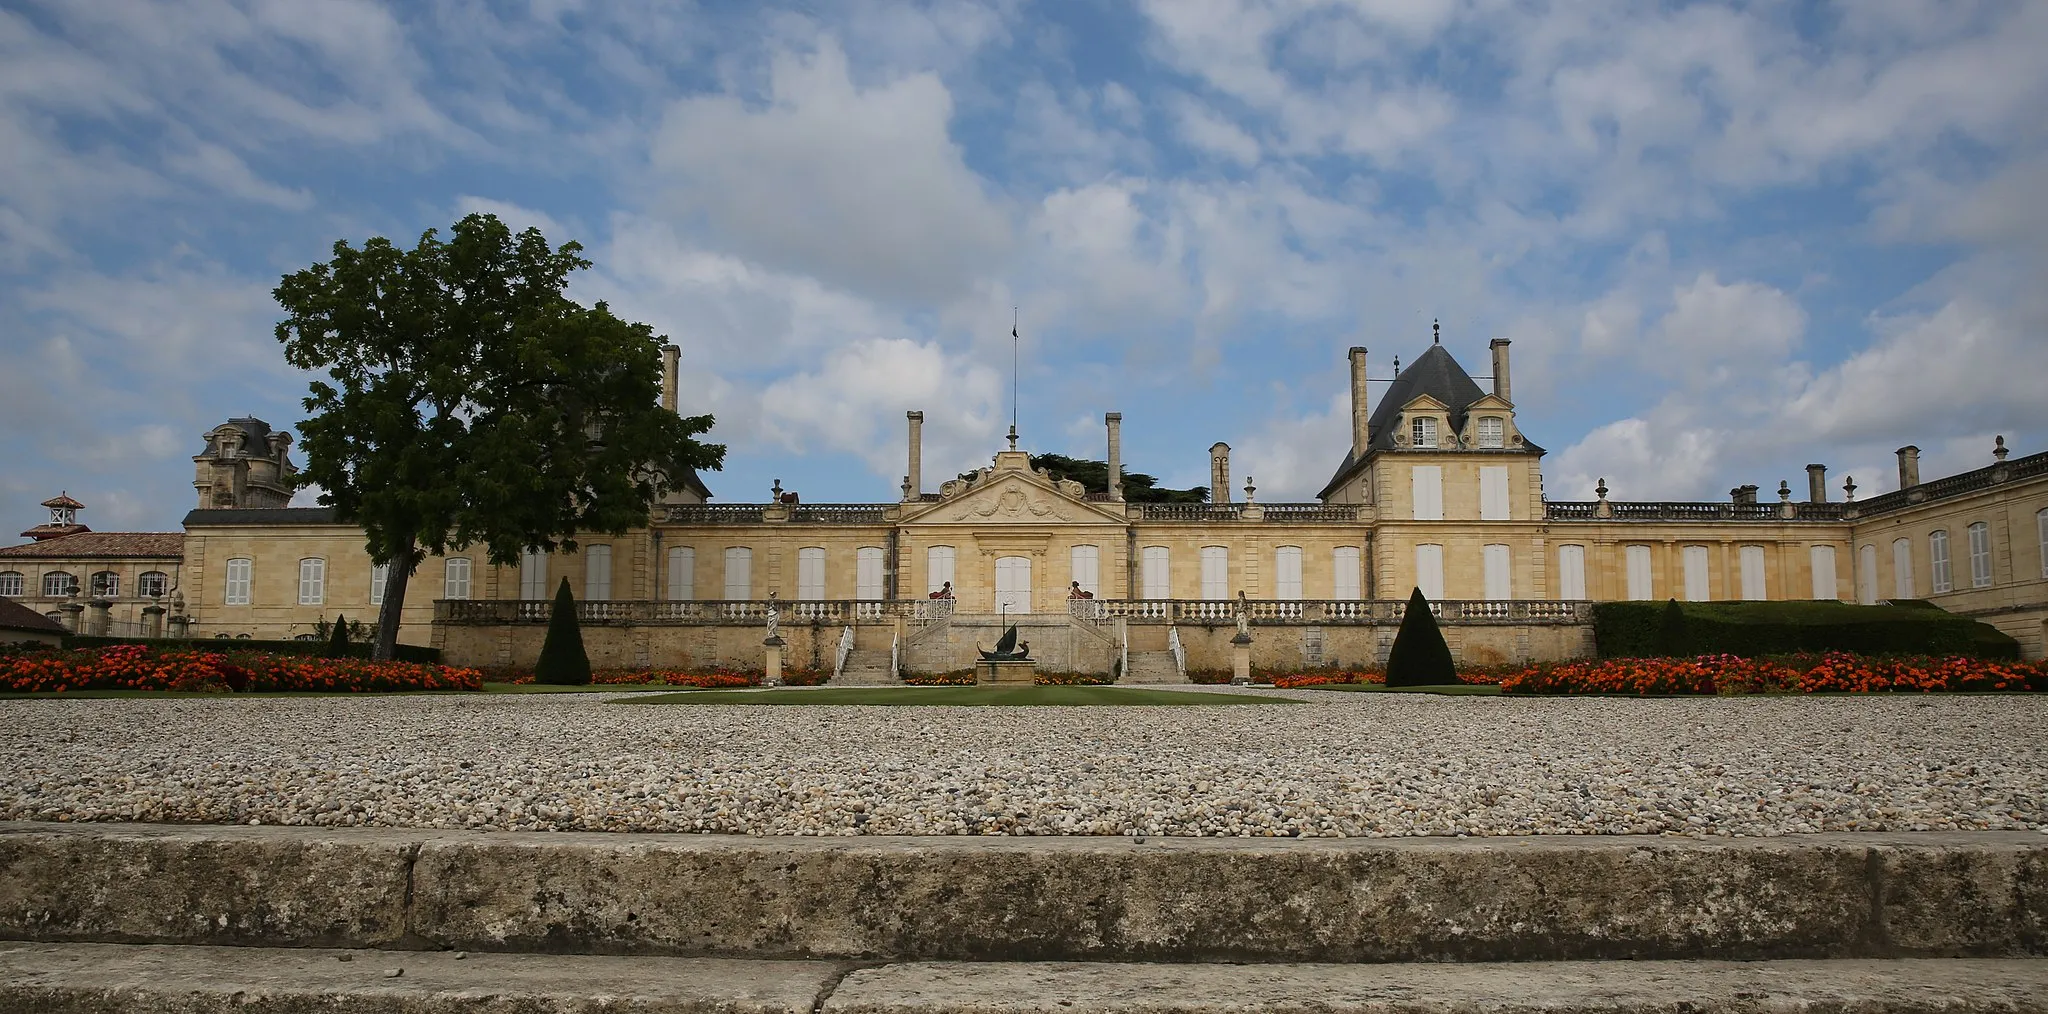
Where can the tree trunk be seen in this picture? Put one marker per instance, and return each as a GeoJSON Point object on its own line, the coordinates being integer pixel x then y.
{"type": "Point", "coordinates": [396, 578]}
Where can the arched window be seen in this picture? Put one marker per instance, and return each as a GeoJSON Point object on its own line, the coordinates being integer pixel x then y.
{"type": "Point", "coordinates": [312, 581]}
{"type": "Point", "coordinates": [1492, 431]}
{"type": "Point", "coordinates": [1980, 555]}
{"type": "Point", "coordinates": [152, 584]}
{"type": "Point", "coordinates": [11, 584]}
{"type": "Point", "coordinates": [235, 582]}
{"type": "Point", "coordinates": [57, 584]}
{"type": "Point", "coordinates": [106, 585]}
{"type": "Point", "coordinates": [455, 578]}
{"type": "Point", "coordinates": [1937, 562]}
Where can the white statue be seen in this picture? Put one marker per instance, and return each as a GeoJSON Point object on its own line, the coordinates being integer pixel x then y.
{"type": "Point", "coordinates": [1244, 615]}
{"type": "Point", "coordinates": [774, 614]}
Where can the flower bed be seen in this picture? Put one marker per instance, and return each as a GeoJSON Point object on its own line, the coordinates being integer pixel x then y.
{"type": "Point", "coordinates": [956, 678]}
{"type": "Point", "coordinates": [141, 667]}
{"type": "Point", "coordinates": [1833, 672]}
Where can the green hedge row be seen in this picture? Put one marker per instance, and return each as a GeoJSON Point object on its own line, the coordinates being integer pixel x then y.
{"type": "Point", "coordinates": [1638, 630]}
{"type": "Point", "coordinates": [406, 652]}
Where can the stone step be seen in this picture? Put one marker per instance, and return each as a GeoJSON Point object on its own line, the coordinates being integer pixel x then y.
{"type": "Point", "coordinates": [1877, 895]}
{"type": "Point", "coordinates": [866, 669]}
{"type": "Point", "coordinates": [1152, 667]}
{"type": "Point", "coordinates": [146, 979]}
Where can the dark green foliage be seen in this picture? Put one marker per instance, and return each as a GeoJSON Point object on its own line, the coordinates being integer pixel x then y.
{"type": "Point", "coordinates": [1749, 629]}
{"type": "Point", "coordinates": [1094, 477]}
{"type": "Point", "coordinates": [562, 660]}
{"type": "Point", "coordinates": [312, 646]}
{"type": "Point", "coordinates": [1671, 634]}
{"type": "Point", "coordinates": [1420, 658]}
{"type": "Point", "coordinates": [337, 642]}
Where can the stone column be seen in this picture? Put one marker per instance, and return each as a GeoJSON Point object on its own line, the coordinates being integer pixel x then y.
{"type": "Point", "coordinates": [71, 610]}
{"type": "Point", "coordinates": [1219, 472]}
{"type": "Point", "coordinates": [913, 481]}
{"type": "Point", "coordinates": [671, 363]}
{"type": "Point", "coordinates": [1816, 484]}
{"type": "Point", "coordinates": [1115, 422]}
{"type": "Point", "coordinates": [772, 664]}
{"type": "Point", "coordinates": [1361, 419]}
{"type": "Point", "coordinates": [153, 620]}
{"type": "Point", "coordinates": [1501, 389]}
{"type": "Point", "coordinates": [99, 617]}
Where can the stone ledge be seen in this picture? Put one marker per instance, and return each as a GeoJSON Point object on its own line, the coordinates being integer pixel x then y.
{"type": "Point", "coordinates": [1039, 899]}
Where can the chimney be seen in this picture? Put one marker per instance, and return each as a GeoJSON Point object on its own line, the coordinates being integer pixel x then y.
{"type": "Point", "coordinates": [671, 358]}
{"type": "Point", "coordinates": [1361, 420]}
{"type": "Point", "coordinates": [1500, 371]}
{"type": "Point", "coordinates": [1219, 472]}
{"type": "Point", "coordinates": [1909, 466]}
{"type": "Point", "coordinates": [1743, 494]}
{"type": "Point", "coordinates": [1816, 484]}
{"type": "Point", "coordinates": [913, 481]}
{"type": "Point", "coordinates": [1115, 421]}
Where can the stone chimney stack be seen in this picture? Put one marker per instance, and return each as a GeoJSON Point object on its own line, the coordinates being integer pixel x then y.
{"type": "Point", "coordinates": [671, 363]}
{"type": "Point", "coordinates": [1115, 422]}
{"type": "Point", "coordinates": [1909, 466]}
{"type": "Point", "coordinates": [1219, 472]}
{"type": "Point", "coordinates": [913, 480]}
{"type": "Point", "coordinates": [1501, 389]}
{"type": "Point", "coordinates": [1816, 484]}
{"type": "Point", "coordinates": [1361, 417]}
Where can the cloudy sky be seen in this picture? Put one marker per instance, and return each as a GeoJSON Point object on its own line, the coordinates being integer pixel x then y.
{"type": "Point", "coordinates": [1726, 240]}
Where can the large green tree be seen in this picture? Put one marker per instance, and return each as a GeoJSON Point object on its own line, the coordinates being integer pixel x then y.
{"type": "Point", "coordinates": [470, 402]}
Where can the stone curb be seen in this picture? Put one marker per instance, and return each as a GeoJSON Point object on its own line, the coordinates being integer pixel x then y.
{"type": "Point", "coordinates": [133, 979]}
{"type": "Point", "coordinates": [1043, 899]}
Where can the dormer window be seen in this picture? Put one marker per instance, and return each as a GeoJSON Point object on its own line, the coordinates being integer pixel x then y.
{"type": "Point", "coordinates": [1492, 431]}
{"type": "Point", "coordinates": [1422, 431]}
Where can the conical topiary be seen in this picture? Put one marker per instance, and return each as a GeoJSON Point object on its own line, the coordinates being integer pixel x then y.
{"type": "Point", "coordinates": [1420, 657]}
{"type": "Point", "coordinates": [562, 660]}
{"type": "Point", "coordinates": [337, 640]}
{"type": "Point", "coordinates": [1672, 641]}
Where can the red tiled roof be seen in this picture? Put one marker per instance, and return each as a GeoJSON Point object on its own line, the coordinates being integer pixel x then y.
{"type": "Point", "coordinates": [63, 500]}
{"type": "Point", "coordinates": [15, 616]}
{"type": "Point", "coordinates": [165, 545]}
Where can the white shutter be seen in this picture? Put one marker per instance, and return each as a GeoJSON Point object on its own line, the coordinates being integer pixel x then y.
{"type": "Point", "coordinates": [938, 568]}
{"type": "Point", "coordinates": [1753, 586]}
{"type": "Point", "coordinates": [1696, 583]}
{"type": "Point", "coordinates": [1429, 571]}
{"type": "Point", "coordinates": [1823, 558]}
{"type": "Point", "coordinates": [1902, 568]}
{"type": "Point", "coordinates": [867, 572]}
{"type": "Point", "coordinates": [380, 574]}
{"type": "Point", "coordinates": [1499, 581]}
{"type": "Point", "coordinates": [1215, 572]}
{"type": "Point", "coordinates": [1155, 572]}
{"type": "Point", "coordinates": [1013, 584]}
{"type": "Point", "coordinates": [1493, 493]}
{"type": "Point", "coordinates": [2041, 526]}
{"type": "Point", "coordinates": [533, 575]}
{"type": "Point", "coordinates": [1980, 555]}
{"type": "Point", "coordinates": [1287, 572]}
{"type": "Point", "coordinates": [236, 588]}
{"type": "Point", "coordinates": [1937, 558]}
{"type": "Point", "coordinates": [1344, 567]}
{"type": "Point", "coordinates": [1571, 573]}
{"type": "Point", "coordinates": [455, 578]}
{"type": "Point", "coordinates": [739, 572]}
{"type": "Point", "coordinates": [1428, 481]}
{"type": "Point", "coordinates": [1640, 585]}
{"type": "Point", "coordinates": [597, 573]}
{"type": "Point", "coordinates": [1866, 575]}
{"type": "Point", "coordinates": [1088, 569]}
{"type": "Point", "coordinates": [312, 581]}
{"type": "Point", "coordinates": [682, 574]}
{"type": "Point", "coordinates": [810, 574]}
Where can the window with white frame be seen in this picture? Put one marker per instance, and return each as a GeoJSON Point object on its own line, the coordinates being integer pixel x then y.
{"type": "Point", "coordinates": [152, 584]}
{"type": "Point", "coordinates": [12, 584]}
{"type": "Point", "coordinates": [1422, 431]}
{"type": "Point", "coordinates": [1287, 572]}
{"type": "Point", "coordinates": [1866, 575]}
{"type": "Point", "coordinates": [380, 575]}
{"type": "Point", "coordinates": [938, 568]}
{"type": "Point", "coordinates": [739, 572]}
{"type": "Point", "coordinates": [1492, 431]}
{"type": "Point", "coordinates": [312, 581]}
{"type": "Point", "coordinates": [106, 585]}
{"type": "Point", "coordinates": [1087, 562]}
{"type": "Point", "coordinates": [1499, 578]}
{"type": "Point", "coordinates": [1215, 573]}
{"type": "Point", "coordinates": [1345, 572]}
{"type": "Point", "coordinates": [1429, 571]}
{"type": "Point", "coordinates": [1152, 564]}
{"type": "Point", "coordinates": [1937, 561]}
{"type": "Point", "coordinates": [235, 581]}
{"type": "Point", "coordinates": [1427, 482]}
{"type": "Point", "coordinates": [1750, 559]}
{"type": "Point", "coordinates": [810, 573]}
{"type": "Point", "coordinates": [1696, 583]}
{"type": "Point", "coordinates": [1493, 493]}
{"type": "Point", "coordinates": [682, 573]}
{"type": "Point", "coordinates": [1636, 559]}
{"type": "Point", "coordinates": [867, 572]}
{"type": "Point", "coordinates": [455, 577]}
{"type": "Point", "coordinates": [2041, 531]}
{"type": "Point", "coordinates": [1571, 573]}
{"type": "Point", "coordinates": [597, 573]}
{"type": "Point", "coordinates": [57, 584]}
{"type": "Point", "coordinates": [1980, 555]}
{"type": "Point", "coordinates": [1823, 559]}
{"type": "Point", "coordinates": [1902, 568]}
{"type": "Point", "coordinates": [533, 575]}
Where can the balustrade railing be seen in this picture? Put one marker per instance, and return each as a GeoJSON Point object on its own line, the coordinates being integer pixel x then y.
{"type": "Point", "coordinates": [849, 612]}
{"type": "Point", "coordinates": [714, 514]}
{"type": "Point", "coordinates": [927, 610]}
{"type": "Point", "coordinates": [1087, 610]}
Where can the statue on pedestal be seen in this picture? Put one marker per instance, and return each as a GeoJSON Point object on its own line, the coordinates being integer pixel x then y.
{"type": "Point", "coordinates": [774, 615]}
{"type": "Point", "coordinates": [1244, 615]}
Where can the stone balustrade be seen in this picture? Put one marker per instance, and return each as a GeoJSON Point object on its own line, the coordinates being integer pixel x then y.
{"type": "Point", "coordinates": [1209, 612]}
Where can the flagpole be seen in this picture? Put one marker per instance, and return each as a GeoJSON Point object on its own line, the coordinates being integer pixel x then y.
{"type": "Point", "coordinates": [1013, 378]}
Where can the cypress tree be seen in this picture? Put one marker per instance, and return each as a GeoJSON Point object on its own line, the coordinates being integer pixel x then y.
{"type": "Point", "coordinates": [337, 641]}
{"type": "Point", "coordinates": [1420, 657]}
{"type": "Point", "coordinates": [562, 660]}
{"type": "Point", "coordinates": [1672, 641]}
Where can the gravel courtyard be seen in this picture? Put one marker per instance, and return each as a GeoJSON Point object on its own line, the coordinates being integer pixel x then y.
{"type": "Point", "coordinates": [1346, 764]}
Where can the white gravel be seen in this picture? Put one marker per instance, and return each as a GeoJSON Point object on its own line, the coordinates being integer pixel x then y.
{"type": "Point", "coordinates": [1348, 764]}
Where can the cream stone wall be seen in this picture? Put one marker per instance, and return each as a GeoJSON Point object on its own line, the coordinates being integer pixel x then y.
{"type": "Point", "coordinates": [274, 610]}
{"type": "Point", "coordinates": [125, 608]}
{"type": "Point", "coordinates": [2016, 600]}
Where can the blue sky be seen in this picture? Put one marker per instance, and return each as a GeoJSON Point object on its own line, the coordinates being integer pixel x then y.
{"type": "Point", "coordinates": [1726, 239]}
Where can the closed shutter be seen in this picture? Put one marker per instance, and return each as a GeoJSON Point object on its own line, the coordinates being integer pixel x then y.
{"type": "Point", "coordinates": [1215, 573]}
{"type": "Point", "coordinates": [1696, 583]}
{"type": "Point", "coordinates": [1937, 559]}
{"type": "Point", "coordinates": [1088, 569]}
{"type": "Point", "coordinates": [810, 574]}
{"type": "Point", "coordinates": [455, 578]}
{"type": "Point", "coordinates": [1153, 560]}
{"type": "Point", "coordinates": [1499, 581]}
{"type": "Point", "coordinates": [867, 572]}
{"type": "Point", "coordinates": [682, 574]}
{"type": "Point", "coordinates": [1753, 588]}
{"type": "Point", "coordinates": [1866, 575]}
{"type": "Point", "coordinates": [1493, 493]}
{"type": "Point", "coordinates": [1571, 573]}
{"type": "Point", "coordinates": [1428, 482]}
{"type": "Point", "coordinates": [1287, 572]}
{"type": "Point", "coordinates": [1823, 558]}
{"type": "Point", "coordinates": [597, 573]}
{"type": "Point", "coordinates": [1640, 585]}
{"type": "Point", "coordinates": [938, 568]}
{"type": "Point", "coordinates": [1429, 571]}
{"type": "Point", "coordinates": [1980, 555]}
{"type": "Point", "coordinates": [739, 572]}
{"type": "Point", "coordinates": [1902, 568]}
{"type": "Point", "coordinates": [533, 575]}
{"type": "Point", "coordinates": [1344, 570]}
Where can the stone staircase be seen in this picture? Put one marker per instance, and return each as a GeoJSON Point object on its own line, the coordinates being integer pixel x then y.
{"type": "Point", "coordinates": [866, 669]}
{"type": "Point", "coordinates": [1152, 667]}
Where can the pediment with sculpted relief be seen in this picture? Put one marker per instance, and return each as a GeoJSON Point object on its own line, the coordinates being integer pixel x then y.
{"type": "Point", "coordinates": [1016, 498]}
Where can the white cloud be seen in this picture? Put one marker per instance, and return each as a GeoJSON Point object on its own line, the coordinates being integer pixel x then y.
{"type": "Point", "coordinates": [854, 404]}
{"type": "Point", "coordinates": [1292, 455]}
{"type": "Point", "coordinates": [1203, 129]}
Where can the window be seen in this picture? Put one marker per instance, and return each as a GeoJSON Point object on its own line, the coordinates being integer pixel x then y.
{"type": "Point", "coordinates": [938, 568]}
{"type": "Point", "coordinates": [152, 584]}
{"type": "Point", "coordinates": [57, 584]}
{"type": "Point", "coordinates": [533, 575]}
{"type": "Point", "coordinates": [1013, 584]}
{"type": "Point", "coordinates": [1423, 431]}
{"type": "Point", "coordinates": [1980, 555]}
{"type": "Point", "coordinates": [235, 582]}
{"type": "Point", "coordinates": [1752, 560]}
{"type": "Point", "coordinates": [1640, 587]}
{"type": "Point", "coordinates": [1902, 568]}
{"type": "Point", "coordinates": [1088, 569]}
{"type": "Point", "coordinates": [2041, 530]}
{"type": "Point", "coordinates": [380, 574]}
{"type": "Point", "coordinates": [1344, 568]}
{"type": "Point", "coordinates": [1571, 573]}
{"type": "Point", "coordinates": [1287, 572]}
{"type": "Point", "coordinates": [1429, 571]}
{"type": "Point", "coordinates": [597, 573]}
{"type": "Point", "coordinates": [1499, 582]}
{"type": "Point", "coordinates": [1937, 561]}
{"type": "Point", "coordinates": [455, 578]}
{"type": "Point", "coordinates": [867, 572]}
{"type": "Point", "coordinates": [682, 573]}
{"type": "Point", "coordinates": [1866, 575]}
{"type": "Point", "coordinates": [739, 572]}
{"type": "Point", "coordinates": [106, 585]}
{"type": "Point", "coordinates": [810, 573]}
{"type": "Point", "coordinates": [1215, 573]}
{"type": "Point", "coordinates": [312, 581]}
{"type": "Point", "coordinates": [1823, 558]}
{"type": "Point", "coordinates": [1493, 493]}
{"type": "Point", "coordinates": [1492, 431]}
{"type": "Point", "coordinates": [1152, 561]}
{"type": "Point", "coordinates": [1696, 584]}
{"type": "Point", "coordinates": [11, 583]}
{"type": "Point", "coordinates": [1428, 483]}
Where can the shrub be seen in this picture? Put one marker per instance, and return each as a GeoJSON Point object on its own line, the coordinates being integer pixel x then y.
{"type": "Point", "coordinates": [1420, 658]}
{"type": "Point", "coordinates": [1635, 630]}
{"type": "Point", "coordinates": [562, 660]}
{"type": "Point", "coordinates": [1671, 633]}
{"type": "Point", "coordinates": [337, 642]}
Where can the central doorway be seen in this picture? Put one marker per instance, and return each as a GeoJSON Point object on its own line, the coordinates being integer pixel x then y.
{"type": "Point", "coordinates": [1013, 584]}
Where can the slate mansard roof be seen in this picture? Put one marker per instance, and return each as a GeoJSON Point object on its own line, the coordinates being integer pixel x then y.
{"type": "Point", "coordinates": [1435, 374]}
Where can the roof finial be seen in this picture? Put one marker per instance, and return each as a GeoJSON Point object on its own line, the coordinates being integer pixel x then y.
{"type": "Point", "coordinates": [1397, 366]}
{"type": "Point", "coordinates": [1998, 450]}
{"type": "Point", "coordinates": [1436, 332]}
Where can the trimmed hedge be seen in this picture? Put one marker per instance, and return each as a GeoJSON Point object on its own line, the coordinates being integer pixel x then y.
{"type": "Point", "coordinates": [406, 652]}
{"type": "Point", "coordinates": [1750, 629]}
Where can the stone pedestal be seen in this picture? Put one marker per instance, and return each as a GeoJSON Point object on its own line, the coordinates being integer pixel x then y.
{"type": "Point", "coordinates": [71, 611]}
{"type": "Point", "coordinates": [153, 620]}
{"type": "Point", "coordinates": [772, 665]}
{"type": "Point", "coordinates": [99, 614]}
{"type": "Point", "coordinates": [1241, 660]}
{"type": "Point", "coordinates": [1020, 672]}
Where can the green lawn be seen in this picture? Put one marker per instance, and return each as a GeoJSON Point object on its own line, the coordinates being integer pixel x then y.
{"type": "Point", "coordinates": [594, 688]}
{"type": "Point", "coordinates": [1460, 689]}
{"type": "Point", "coordinates": [961, 696]}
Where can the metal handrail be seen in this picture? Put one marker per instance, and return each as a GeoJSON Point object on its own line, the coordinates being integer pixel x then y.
{"type": "Point", "coordinates": [1180, 653]}
{"type": "Point", "coordinates": [845, 649]}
